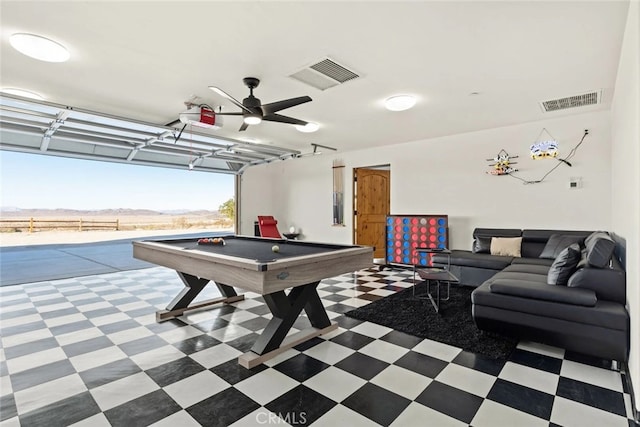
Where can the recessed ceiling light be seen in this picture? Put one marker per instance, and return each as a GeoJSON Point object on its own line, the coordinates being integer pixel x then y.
{"type": "Point", "coordinates": [400, 102]}
{"type": "Point", "coordinates": [39, 47]}
{"type": "Point", "coordinates": [23, 93]}
{"type": "Point", "coordinates": [308, 128]}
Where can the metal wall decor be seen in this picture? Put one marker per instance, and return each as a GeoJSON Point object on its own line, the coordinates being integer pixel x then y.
{"type": "Point", "coordinates": [502, 164]}
{"type": "Point", "coordinates": [542, 149]}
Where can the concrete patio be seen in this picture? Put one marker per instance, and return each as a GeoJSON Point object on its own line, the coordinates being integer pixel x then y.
{"type": "Point", "coordinates": [34, 263]}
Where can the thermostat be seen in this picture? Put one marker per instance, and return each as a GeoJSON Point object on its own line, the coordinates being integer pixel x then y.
{"type": "Point", "coordinates": [575, 182]}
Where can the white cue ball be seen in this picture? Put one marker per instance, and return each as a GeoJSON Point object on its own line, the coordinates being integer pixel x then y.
{"type": "Point", "coordinates": [275, 248]}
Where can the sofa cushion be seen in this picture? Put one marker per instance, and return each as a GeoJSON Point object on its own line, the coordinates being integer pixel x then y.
{"type": "Point", "coordinates": [530, 276]}
{"type": "Point", "coordinates": [506, 246]}
{"type": "Point", "coordinates": [533, 290]}
{"type": "Point", "coordinates": [482, 245]}
{"type": "Point", "coordinates": [533, 261]}
{"type": "Point", "coordinates": [470, 259]}
{"type": "Point", "coordinates": [564, 265]}
{"type": "Point", "coordinates": [482, 237]}
{"type": "Point", "coordinates": [609, 283]}
{"type": "Point", "coordinates": [599, 248]}
{"type": "Point", "coordinates": [557, 242]}
{"type": "Point", "coordinates": [528, 268]}
{"type": "Point", "coordinates": [605, 314]}
{"type": "Point", "coordinates": [534, 241]}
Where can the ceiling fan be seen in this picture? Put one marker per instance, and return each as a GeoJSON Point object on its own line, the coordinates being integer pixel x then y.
{"type": "Point", "coordinates": [254, 111]}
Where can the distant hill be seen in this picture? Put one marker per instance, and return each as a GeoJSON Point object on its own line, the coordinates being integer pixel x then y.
{"type": "Point", "coordinates": [9, 209]}
{"type": "Point", "coordinates": [119, 212]}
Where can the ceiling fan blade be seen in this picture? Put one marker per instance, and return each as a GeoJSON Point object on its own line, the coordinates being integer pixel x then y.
{"type": "Point", "coordinates": [244, 126]}
{"type": "Point", "coordinates": [229, 114]}
{"type": "Point", "coordinates": [281, 105]}
{"type": "Point", "coordinates": [229, 97]}
{"type": "Point", "coordinates": [283, 119]}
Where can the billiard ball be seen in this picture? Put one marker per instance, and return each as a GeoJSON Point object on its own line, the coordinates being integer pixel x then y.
{"type": "Point", "coordinates": [275, 248]}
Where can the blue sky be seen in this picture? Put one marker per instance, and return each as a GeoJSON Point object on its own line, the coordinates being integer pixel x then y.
{"type": "Point", "coordinates": [50, 182]}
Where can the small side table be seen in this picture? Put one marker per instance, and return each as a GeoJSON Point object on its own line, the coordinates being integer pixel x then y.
{"type": "Point", "coordinates": [434, 274]}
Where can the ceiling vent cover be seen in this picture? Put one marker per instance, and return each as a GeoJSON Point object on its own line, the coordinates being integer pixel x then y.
{"type": "Point", "coordinates": [324, 74]}
{"type": "Point", "coordinates": [590, 98]}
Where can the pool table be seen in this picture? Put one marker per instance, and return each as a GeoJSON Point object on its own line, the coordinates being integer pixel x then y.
{"type": "Point", "coordinates": [249, 263]}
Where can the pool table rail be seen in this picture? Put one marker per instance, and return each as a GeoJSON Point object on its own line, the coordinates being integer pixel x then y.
{"type": "Point", "coordinates": [255, 276]}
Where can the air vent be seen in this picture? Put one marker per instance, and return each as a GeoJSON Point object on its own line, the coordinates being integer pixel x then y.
{"type": "Point", "coordinates": [324, 74]}
{"type": "Point", "coordinates": [591, 98]}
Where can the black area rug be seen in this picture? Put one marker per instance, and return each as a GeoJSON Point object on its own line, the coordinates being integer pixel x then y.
{"type": "Point", "coordinates": [453, 325]}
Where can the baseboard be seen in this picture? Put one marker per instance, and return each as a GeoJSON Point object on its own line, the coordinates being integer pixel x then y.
{"type": "Point", "coordinates": [629, 386]}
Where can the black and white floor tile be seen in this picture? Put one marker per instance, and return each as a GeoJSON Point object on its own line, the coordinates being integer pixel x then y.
{"type": "Point", "coordinates": [87, 352]}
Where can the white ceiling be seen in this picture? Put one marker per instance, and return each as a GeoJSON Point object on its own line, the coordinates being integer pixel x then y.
{"type": "Point", "coordinates": [142, 60]}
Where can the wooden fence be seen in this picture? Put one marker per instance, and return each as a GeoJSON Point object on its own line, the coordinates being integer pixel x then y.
{"type": "Point", "coordinates": [33, 224]}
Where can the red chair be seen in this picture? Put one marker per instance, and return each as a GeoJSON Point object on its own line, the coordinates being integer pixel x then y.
{"type": "Point", "coordinates": [268, 227]}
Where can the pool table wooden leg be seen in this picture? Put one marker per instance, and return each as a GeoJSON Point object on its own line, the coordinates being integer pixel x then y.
{"type": "Point", "coordinates": [285, 310]}
{"type": "Point", "coordinates": [193, 286]}
{"type": "Point", "coordinates": [316, 312]}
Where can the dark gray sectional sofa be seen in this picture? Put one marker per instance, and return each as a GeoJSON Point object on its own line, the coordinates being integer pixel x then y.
{"type": "Point", "coordinates": [586, 314]}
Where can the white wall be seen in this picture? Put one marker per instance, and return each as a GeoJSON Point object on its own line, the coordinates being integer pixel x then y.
{"type": "Point", "coordinates": [626, 176]}
{"type": "Point", "coordinates": [448, 176]}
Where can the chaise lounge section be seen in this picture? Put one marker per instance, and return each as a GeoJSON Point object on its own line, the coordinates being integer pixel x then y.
{"type": "Point", "coordinates": [583, 310]}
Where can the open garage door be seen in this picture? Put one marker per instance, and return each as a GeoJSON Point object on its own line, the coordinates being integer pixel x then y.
{"type": "Point", "coordinates": [45, 128]}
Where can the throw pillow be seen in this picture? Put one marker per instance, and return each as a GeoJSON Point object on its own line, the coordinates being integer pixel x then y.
{"type": "Point", "coordinates": [564, 265]}
{"type": "Point", "coordinates": [482, 245]}
{"type": "Point", "coordinates": [557, 242]}
{"type": "Point", "coordinates": [507, 246]}
{"type": "Point", "coordinates": [600, 247]}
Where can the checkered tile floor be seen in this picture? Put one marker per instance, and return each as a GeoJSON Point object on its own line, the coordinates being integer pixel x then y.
{"type": "Point", "coordinates": [88, 352]}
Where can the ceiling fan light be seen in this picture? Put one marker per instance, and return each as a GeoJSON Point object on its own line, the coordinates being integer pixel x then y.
{"type": "Point", "coordinates": [400, 102]}
{"type": "Point", "coordinates": [308, 128]}
{"type": "Point", "coordinates": [252, 120]}
{"type": "Point", "coordinates": [38, 47]}
{"type": "Point", "coordinates": [23, 93]}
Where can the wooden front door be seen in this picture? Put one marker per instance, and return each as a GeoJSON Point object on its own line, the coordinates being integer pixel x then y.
{"type": "Point", "coordinates": [372, 205]}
